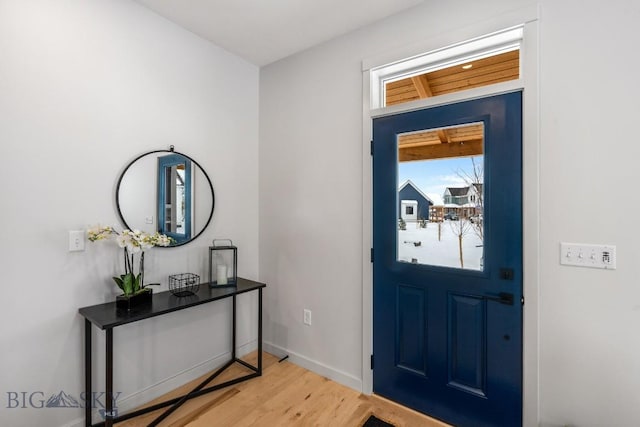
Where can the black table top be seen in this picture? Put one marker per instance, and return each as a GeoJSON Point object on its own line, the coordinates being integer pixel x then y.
{"type": "Point", "coordinates": [107, 316]}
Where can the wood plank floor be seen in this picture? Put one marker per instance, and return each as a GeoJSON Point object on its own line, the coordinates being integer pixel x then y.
{"type": "Point", "coordinates": [285, 395]}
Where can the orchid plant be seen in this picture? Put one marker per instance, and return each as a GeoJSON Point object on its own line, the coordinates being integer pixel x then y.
{"type": "Point", "coordinates": [132, 242]}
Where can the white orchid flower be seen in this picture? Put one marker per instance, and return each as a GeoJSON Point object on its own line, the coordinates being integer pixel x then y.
{"type": "Point", "coordinates": [134, 241]}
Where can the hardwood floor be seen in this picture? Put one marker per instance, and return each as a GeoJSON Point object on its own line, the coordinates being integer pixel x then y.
{"type": "Point", "coordinates": [285, 395]}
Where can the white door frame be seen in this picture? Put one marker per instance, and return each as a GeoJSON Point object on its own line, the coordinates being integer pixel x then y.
{"type": "Point", "coordinates": [530, 191]}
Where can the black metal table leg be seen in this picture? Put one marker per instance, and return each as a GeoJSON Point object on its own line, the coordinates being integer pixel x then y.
{"type": "Point", "coordinates": [108, 415]}
{"type": "Point", "coordinates": [260, 331]}
{"type": "Point", "coordinates": [88, 396]}
{"type": "Point", "coordinates": [233, 340]}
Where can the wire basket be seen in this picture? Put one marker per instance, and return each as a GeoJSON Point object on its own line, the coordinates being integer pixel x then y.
{"type": "Point", "coordinates": [184, 284]}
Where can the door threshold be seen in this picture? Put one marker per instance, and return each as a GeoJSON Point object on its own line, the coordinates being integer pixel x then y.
{"type": "Point", "coordinates": [389, 405]}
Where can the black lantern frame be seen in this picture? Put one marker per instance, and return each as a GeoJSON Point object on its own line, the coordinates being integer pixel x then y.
{"type": "Point", "coordinates": [223, 264]}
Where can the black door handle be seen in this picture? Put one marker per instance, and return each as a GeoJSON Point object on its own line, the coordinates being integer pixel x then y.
{"type": "Point", "coordinates": [503, 298]}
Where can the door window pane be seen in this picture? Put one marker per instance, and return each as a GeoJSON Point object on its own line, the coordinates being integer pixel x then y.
{"type": "Point", "coordinates": [440, 197]}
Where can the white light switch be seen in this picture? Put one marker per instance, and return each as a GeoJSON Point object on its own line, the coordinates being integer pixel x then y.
{"type": "Point", "coordinates": [76, 240]}
{"type": "Point", "coordinates": [584, 255]}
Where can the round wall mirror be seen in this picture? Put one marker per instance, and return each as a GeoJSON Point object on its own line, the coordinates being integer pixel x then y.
{"type": "Point", "coordinates": [167, 192]}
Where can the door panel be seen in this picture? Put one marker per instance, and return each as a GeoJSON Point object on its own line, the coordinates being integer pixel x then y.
{"type": "Point", "coordinates": [447, 311]}
{"type": "Point", "coordinates": [467, 344]}
{"type": "Point", "coordinates": [411, 334]}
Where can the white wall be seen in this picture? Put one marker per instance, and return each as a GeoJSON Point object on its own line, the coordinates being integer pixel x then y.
{"type": "Point", "coordinates": [311, 158]}
{"type": "Point", "coordinates": [85, 86]}
{"type": "Point", "coordinates": [590, 347]}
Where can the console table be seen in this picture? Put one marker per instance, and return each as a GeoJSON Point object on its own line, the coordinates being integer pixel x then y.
{"type": "Point", "coordinates": [107, 317]}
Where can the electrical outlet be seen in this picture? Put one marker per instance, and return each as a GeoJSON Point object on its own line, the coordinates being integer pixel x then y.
{"type": "Point", "coordinates": [592, 256]}
{"type": "Point", "coordinates": [307, 317]}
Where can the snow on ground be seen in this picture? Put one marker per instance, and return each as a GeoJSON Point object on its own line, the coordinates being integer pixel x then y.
{"type": "Point", "coordinates": [443, 253]}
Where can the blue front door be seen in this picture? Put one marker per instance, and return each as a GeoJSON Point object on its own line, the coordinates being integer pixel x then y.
{"type": "Point", "coordinates": [448, 291]}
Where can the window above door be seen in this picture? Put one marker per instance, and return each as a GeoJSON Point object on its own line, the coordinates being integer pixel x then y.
{"type": "Point", "coordinates": [469, 74]}
{"type": "Point", "coordinates": [484, 61]}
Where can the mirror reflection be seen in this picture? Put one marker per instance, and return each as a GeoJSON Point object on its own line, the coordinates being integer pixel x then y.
{"type": "Point", "coordinates": [166, 192]}
{"type": "Point", "coordinates": [174, 196]}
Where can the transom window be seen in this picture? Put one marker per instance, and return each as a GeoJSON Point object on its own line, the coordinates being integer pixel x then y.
{"type": "Point", "coordinates": [482, 72]}
{"type": "Point", "coordinates": [484, 61]}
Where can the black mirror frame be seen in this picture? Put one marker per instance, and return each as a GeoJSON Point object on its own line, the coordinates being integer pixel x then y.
{"type": "Point", "coordinates": [171, 150]}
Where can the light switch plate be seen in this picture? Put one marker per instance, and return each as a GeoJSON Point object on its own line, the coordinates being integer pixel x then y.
{"type": "Point", "coordinates": [588, 255]}
{"type": "Point", "coordinates": [76, 240]}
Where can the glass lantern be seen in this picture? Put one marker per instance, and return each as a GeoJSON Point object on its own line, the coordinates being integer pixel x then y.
{"type": "Point", "coordinates": [223, 263]}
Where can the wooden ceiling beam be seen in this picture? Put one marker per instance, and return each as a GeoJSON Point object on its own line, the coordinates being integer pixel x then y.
{"type": "Point", "coordinates": [421, 83]}
{"type": "Point", "coordinates": [443, 136]}
{"type": "Point", "coordinates": [471, 147]}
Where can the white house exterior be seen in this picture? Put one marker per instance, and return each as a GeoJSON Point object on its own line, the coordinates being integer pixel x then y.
{"type": "Point", "coordinates": [463, 201]}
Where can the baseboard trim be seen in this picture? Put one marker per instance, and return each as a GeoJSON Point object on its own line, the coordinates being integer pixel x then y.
{"type": "Point", "coordinates": [315, 366]}
{"type": "Point", "coordinates": [147, 394]}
